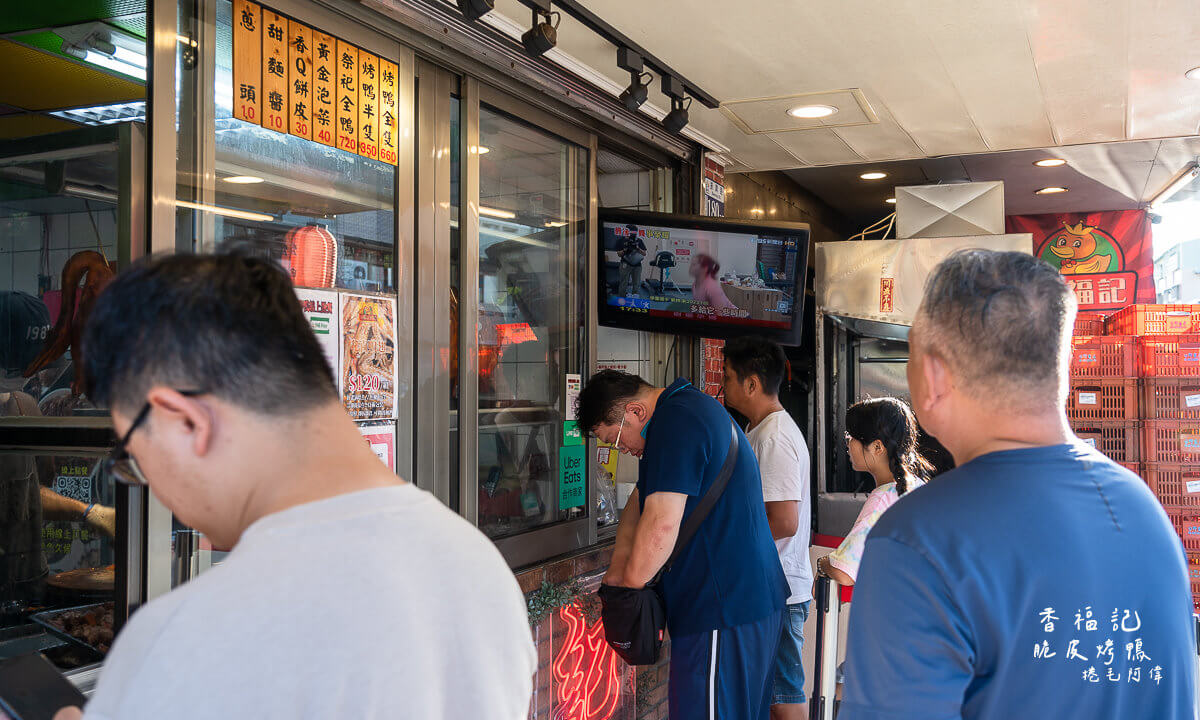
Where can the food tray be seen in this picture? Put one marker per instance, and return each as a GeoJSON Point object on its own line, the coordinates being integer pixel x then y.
{"type": "Point", "coordinates": [46, 620]}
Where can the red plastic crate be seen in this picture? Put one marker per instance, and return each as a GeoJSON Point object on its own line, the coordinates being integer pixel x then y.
{"type": "Point", "coordinates": [1170, 398]}
{"type": "Point", "coordinates": [1187, 526]}
{"type": "Point", "coordinates": [1103, 399]}
{"type": "Point", "coordinates": [1088, 323]}
{"type": "Point", "coordinates": [1104, 356]}
{"type": "Point", "coordinates": [1171, 441]}
{"type": "Point", "coordinates": [1175, 486]}
{"type": "Point", "coordinates": [1170, 356]}
{"type": "Point", "coordinates": [1120, 441]}
{"type": "Point", "coordinates": [1154, 320]}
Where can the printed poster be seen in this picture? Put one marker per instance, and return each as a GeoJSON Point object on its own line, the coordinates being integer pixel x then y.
{"type": "Point", "coordinates": [1106, 257]}
{"type": "Point", "coordinates": [321, 309]}
{"type": "Point", "coordinates": [382, 439]}
{"type": "Point", "coordinates": [368, 357]}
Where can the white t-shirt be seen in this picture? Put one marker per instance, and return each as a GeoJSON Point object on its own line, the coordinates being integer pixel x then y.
{"type": "Point", "coordinates": [783, 463]}
{"type": "Point", "coordinates": [378, 604]}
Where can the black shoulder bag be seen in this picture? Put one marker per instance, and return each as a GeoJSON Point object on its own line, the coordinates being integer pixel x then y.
{"type": "Point", "coordinates": [634, 619]}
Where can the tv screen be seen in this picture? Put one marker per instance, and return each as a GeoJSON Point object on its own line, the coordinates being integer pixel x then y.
{"type": "Point", "coordinates": [693, 275]}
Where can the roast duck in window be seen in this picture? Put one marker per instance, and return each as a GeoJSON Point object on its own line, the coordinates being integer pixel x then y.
{"type": "Point", "coordinates": [84, 277]}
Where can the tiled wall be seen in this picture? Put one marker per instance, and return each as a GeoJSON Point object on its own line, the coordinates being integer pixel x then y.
{"type": "Point", "coordinates": [33, 245]}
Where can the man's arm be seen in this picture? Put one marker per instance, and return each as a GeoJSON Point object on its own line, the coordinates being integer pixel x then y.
{"type": "Point", "coordinates": [910, 652]}
{"type": "Point", "coordinates": [657, 530]}
{"type": "Point", "coordinates": [784, 518]}
{"type": "Point", "coordinates": [625, 533]}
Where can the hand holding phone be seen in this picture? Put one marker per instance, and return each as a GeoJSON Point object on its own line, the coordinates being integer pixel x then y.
{"type": "Point", "coordinates": [31, 688]}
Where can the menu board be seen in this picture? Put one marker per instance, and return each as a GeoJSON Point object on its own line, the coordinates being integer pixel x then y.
{"type": "Point", "coordinates": [368, 357]}
{"type": "Point", "coordinates": [295, 79]}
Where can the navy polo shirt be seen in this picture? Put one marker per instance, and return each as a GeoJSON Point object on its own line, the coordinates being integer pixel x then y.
{"type": "Point", "coordinates": [1035, 583]}
{"type": "Point", "coordinates": [729, 574]}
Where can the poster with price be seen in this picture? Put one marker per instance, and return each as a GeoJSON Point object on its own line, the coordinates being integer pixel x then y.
{"type": "Point", "coordinates": [324, 87]}
{"type": "Point", "coordinates": [347, 97]}
{"type": "Point", "coordinates": [247, 61]}
{"type": "Point", "coordinates": [382, 440]}
{"type": "Point", "coordinates": [321, 309]}
{"type": "Point", "coordinates": [274, 71]}
{"type": "Point", "coordinates": [368, 357]}
{"type": "Point", "coordinates": [300, 47]}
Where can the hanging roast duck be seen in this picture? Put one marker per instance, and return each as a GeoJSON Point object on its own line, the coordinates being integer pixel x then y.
{"type": "Point", "coordinates": [93, 270]}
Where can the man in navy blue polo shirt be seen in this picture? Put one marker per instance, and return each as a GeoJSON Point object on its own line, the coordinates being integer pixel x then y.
{"type": "Point", "coordinates": [1038, 579]}
{"type": "Point", "coordinates": [725, 592]}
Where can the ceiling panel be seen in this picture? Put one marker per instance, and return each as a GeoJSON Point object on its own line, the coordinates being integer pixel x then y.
{"type": "Point", "coordinates": [816, 147]}
{"type": "Point", "coordinates": [986, 54]}
{"type": "Point", "coordinates": [51, 82]}
{"type": "Point", "coordinates": [883, 141]}
{"type": "Point", "coordinates": [1165, 43]}
{"type": "Point", "coordinates": [1075, 43]}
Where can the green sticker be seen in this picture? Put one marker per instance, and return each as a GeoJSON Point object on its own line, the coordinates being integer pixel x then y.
{"type": "Point", "coordinates": [571, 485]}
{"type": "Point", "coordinates": [571, 433]}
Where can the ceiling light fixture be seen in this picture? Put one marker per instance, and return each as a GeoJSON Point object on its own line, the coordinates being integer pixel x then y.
{"type": "Point", "coordinates": [496, 213]}
{"type": "Point", "coordinates": [1052, 190]}
{"type": "Point", "coordinates": [484, 150]}
{"type": "Point", "coordinates": [472, 10]}
{"type": "Point", "coordinates": [1193, 74]}
{"type": "Point", "coordinates": [677, 119]}
{"type": "Point", "coordinates": [544, 34]}
{"type": "Point", "coordinates": [634, 96]}
{"type": "Point", "coordinates": [1179, 182]}
{"type": "Point", "coordinates": [873, 176]}
{"type": "Point", "coordinates": [227, 212]}
{"type": "Point", "coordinates": [242, 179]}
{"type": "Point", "coordinates": [555, 223]}
{"type": "Point", "coordinates": [890, 201]}
{"type": "Point", "coordinates": [1051, 162]}
{"type": "Point", "coordinates": [812, 112]}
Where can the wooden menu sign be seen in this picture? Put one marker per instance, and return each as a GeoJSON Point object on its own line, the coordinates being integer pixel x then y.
{"type": "Point", "coordinates": [291, 78]}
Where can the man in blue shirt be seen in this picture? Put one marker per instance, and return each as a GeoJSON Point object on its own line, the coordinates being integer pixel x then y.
{"type": "Point", "coordinates": [725, 593]}
{"type": "Point", "coordinates": [1038, 579]}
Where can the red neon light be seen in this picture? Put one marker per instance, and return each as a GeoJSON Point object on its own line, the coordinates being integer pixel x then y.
{"type": "Point", "coordinates": [590, 694]}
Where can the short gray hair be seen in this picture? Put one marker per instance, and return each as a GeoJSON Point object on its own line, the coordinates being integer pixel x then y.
{"type": "Point", "coordinates": [1002, 321]}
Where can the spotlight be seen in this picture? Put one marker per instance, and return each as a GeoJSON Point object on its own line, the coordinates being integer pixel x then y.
{"type": "Point", "coordinates": [543, 35]}
{"type": "Point", "coordinates": [677, 119]}
{"type": "Point", "coordinates": [472, 10]}
{"type": "Point", "coordinates": [635, 95]}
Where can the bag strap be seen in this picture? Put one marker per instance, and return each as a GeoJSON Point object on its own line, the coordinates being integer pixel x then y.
{"type": "Point", "coordinates": [705, 506]}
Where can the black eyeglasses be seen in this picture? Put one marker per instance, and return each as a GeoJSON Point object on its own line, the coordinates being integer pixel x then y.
{"type": "Point", "coordinates": [122, 466]}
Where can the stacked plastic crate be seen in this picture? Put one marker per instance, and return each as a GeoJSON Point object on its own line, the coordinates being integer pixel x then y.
{"type": "Point", "coordinates": [1168, 359]}
{"type": "Point", "coordinates": [1103, 401]}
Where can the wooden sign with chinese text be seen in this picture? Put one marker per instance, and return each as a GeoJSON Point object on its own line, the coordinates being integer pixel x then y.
{"type": "Point", "coordinates": [324, 87]}
{"type": "Point", "coordinates": [274, 71]}
{"type": "Point", "coordinates": [247, 61]}
{"type": "Point", "coordinates": [368, 105]}
{"type": "Point", "coordinates": [300, 62]}
{"type": "Point", "coordinates": [388, 144]}
{"type": "Point", "coordinates": [293, 79]}
{"type": "Point", "coordinates": [347, 97]}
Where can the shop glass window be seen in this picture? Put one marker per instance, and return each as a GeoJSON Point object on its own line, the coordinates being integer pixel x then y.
{"type": "Point", "coordinates": [532, 240]}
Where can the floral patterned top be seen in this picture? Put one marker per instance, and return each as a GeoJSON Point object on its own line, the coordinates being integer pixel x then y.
{"type": "Point", "coordinates": [849, 554]}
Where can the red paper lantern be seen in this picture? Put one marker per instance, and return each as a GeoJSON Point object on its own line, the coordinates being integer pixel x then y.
{"type": "Point", "coordinates": [310, 254]}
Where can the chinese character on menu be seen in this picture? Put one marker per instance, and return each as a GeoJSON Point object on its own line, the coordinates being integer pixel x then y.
{"type": "Point", "coordinates": [323, 74]}
{"type": "Point", "coordinates": [248, 19]}
{"type": "Point", "coordinates": [347, 61]}
{"type": "Point", "coordinates": [1047, 618]}
{"type": "Point", "coordinates": [300, 87]}
{"type": "Point", "coordinates": [322, 51]}
{"type": "Point", "coordinates": [275, 100]}
{"type": "Point", "coordinates": [1073, 651]}
{"type": "Point", "coordinates": [275, 67]}
{"type": "Point", "coordinates": [275, 32]}
{"type": "Point", "coordinates": [248, 93]}
{"type": "Point", "coordinates": [301, 46]}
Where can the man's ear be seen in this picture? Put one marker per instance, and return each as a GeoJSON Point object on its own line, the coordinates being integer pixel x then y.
{"type": "Point", "coordinates": [938, 380]}
{"type": "Point", "coordinates": [192, 417]}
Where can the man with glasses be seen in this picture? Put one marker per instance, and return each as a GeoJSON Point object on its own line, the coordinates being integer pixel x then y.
{"type": "Point", "coordinates": [348, 593]}
{"type": "Point", "coordinates": [725, 592]}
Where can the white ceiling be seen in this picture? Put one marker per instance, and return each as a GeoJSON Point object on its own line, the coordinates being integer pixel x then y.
{"type": "Point", "coordinates": [940, 77]}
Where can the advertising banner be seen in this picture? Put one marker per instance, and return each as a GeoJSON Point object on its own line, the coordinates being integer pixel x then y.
{"type": "Point", "coordinates": [321, 309]}
{"type": "Point", "coordinates": [368, 357]}
{"type": "Point", "coordinates": [382, 439]}
{"type": "Point", "coordinates": [1106, 257]}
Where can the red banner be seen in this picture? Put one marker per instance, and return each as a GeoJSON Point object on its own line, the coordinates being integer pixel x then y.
{"type": "Point", "coordinates": [1107, 257]}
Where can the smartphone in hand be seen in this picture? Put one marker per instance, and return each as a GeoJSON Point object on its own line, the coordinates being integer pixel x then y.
{"type": "Point", "coordinates": [31, 688]}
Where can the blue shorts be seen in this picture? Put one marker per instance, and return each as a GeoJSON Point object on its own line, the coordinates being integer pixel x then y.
{"type": "Point", "coordinates": [724, 673]}
{"type": "Point", "coordinates": [789, 663]}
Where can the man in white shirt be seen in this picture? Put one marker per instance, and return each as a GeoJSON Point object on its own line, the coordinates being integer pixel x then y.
{"type": "Point", "coordinates": [348, 593]}
{"type": "Point", "coordinates": [754, 370]}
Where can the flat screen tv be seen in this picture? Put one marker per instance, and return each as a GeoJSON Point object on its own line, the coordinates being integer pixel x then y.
{"type": "Point", "coordinates": [709, 277]}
